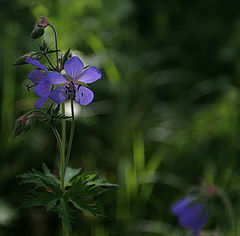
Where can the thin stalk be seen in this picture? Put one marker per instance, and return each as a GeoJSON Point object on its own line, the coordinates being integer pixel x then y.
{"type": "Point", "coordinates": [56, 43]}
{"type": "Point", "coordinates": [32, 111]}
{"type": "Point", "coordinates": [49, 61]}
{"type": "Point", "coordinates": [71, 134]}
{"type": "Point", "coordinates": [229, 209]}
{"type": "Point", "coordinates": [63, 128]}
{"type": "Point", "coordinates": [59, 141]}
{"type": "Point", "coordinates": [65, 231]}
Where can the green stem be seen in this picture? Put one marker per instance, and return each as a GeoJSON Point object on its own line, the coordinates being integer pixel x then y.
{"type": "Point", "coordinates": [59, 141]}
{"type": "Point", "coordinates": [63, 128]}
{"type": "Point", "coordinates": [65, 231]}
{"type": "Point", "coordinates": [32, 111]}
{"type": "Point", "coordinates": [71, 134]}
{"type": "Point", "coordinates": [229, 208]}
{"type": "Point", "coordinates": [56, 44]}
{"type": "Point", "coordinates": [50, 62]}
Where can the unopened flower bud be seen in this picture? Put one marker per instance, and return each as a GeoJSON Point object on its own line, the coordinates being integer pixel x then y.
{"type": "Point", "coordinates": [37, 32]}
{"type": "Point", "coordinates": [22, 60]}
{"type": "Point", "coordinates": [22, 125]}
{"type": "Point", "coordinates": [210, 189]}
{"type": "Point", "coordinates": [43, 22]}
{"type": "Point", "coordinates": [19, 125]}
{"type": "Point", "coordinates": [39, 27]}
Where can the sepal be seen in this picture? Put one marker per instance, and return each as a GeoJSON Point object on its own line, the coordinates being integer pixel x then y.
{"type": "Point", "coordinates": [67, 55]}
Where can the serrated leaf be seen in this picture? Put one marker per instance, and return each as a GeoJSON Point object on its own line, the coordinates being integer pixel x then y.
{"type": "Point", "coordinates": [70, 174]}
{"type": "Point", "coordinates": [50, 175]}
{"type": "Point", "coordinates": [89, 208]}
{"type": "Point", "coordinates": [42, 180]}
{"type": "Point", "coordinates": [36, 198]}
{"type": "Point", "coordinates": [101, 182]}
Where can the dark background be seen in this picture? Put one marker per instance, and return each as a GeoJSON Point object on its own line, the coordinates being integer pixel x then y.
{"type": "Point", "coordinates": [165, 115]}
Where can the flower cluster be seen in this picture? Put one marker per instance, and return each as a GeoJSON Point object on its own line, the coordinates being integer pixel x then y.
{"type": "Point", "coordinates": [75, 82]}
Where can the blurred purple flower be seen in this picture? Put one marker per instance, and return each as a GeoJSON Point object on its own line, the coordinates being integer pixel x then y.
{"type": "Point", "coordinates": [75, 81]}
{"type": "Point", "coordinates": [42, 88]}
{"type": "Point", "coordinates": [191, 213]}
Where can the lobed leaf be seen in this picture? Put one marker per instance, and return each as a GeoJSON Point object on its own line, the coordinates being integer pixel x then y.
{"type": "Point", "coordinates": [70, 174]}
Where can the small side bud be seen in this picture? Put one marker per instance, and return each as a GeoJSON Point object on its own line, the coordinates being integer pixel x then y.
{"type": "Point", "coordinates": [22, 125]}
{"type": "Point", "coordinates": [19, 125]}
{"type": "Point", "coordinates": [22, 60]}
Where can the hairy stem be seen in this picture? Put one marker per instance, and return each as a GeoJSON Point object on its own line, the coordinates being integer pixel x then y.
{"type": "Point", "coordinates": [71, 134]}
{"type": "Point", "coordinates": [63, 128]}
{"type": "Point", "coordinates": [59, 141]}
{"type": "Point", "coordinates": [56, 44]}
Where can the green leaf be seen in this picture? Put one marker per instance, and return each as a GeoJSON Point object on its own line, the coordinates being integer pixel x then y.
{"type": "Point", "coordinates": [92, 208]}
{"type": "Point", "coordinates": [47, 199]}
{"type": "Point", "coordinates": [81, 192]}
{"type": "Point", "coordinates": [101, 182]}
{"type": "Point", "coordinates": [70, 174]}
{"type": "Point", "coordinates": [43, 180]}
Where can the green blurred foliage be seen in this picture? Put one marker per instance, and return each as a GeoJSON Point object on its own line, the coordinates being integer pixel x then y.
{"type": "Point", "coordinates": [165, 115]}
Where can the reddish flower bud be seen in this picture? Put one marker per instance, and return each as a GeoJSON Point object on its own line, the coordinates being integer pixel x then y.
{"type": "Point", "coordinates": [24, 120]}
{"type": "Point", "coordinates": [23, 124]}
{"type": "Point", "coordinates": [43, 22]}
{"type": "Point", "coordinates": [210, 189]}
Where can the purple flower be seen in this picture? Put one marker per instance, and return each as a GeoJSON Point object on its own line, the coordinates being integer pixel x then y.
{"type": "Point", "coordinates": [75, 81]}
{"type": "Point", "coordinates": [42, 88]}
{"type": "Point", "coordinates": [191, 213]}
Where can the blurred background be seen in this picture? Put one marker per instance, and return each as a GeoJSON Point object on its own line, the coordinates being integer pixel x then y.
{"type": "Point", "coordinates": [165, 115]}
